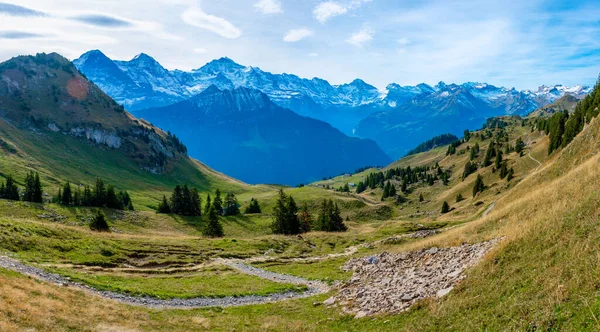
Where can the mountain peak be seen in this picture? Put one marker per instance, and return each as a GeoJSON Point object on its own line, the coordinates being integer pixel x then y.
{"type": "Point", "coordinates": [223, 64]}
{"type": "Point", "coordinates": [92, 57]}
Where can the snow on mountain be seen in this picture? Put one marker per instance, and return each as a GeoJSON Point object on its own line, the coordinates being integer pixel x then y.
{"type": "Point", "coordinates": [142, 83]}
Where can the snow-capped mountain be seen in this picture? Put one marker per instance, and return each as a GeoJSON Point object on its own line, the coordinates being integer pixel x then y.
{"type": "Point", "coordinates": [354, 108]}
{"type": "Point", "coordinates": [411, 115]}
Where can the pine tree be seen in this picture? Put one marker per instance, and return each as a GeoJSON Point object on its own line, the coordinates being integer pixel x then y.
{"type": "Point", "coordinates": [253, 207]}
{"type": "Point", "coordinates": [467, 135]}
{"type": "Point", "coordinates": [519, 146]}
{"type": "Point", "coordinates": [208, 204]}
{"type": "Point", "coordinates": [445, 207]}
{"type": "Point", "coordinates": [67, 196]}
{"type": "Point", "coordinates": [10, 191]}
{"type": "Point", "coordinates": [218, 202]}
{"type": "Point", "coordinates": [421, 199]}
{"type": "Point", "coordinates": [489, 154]}
{"type": "Point", "coordinates": [99, 222]}
{"type": "Point", "coordinates": [29, 184]}
{"type": "Point", "coordinates": [213, 227]}
{"type": "Point", "coordinates": [177, 200]}
{"type": "Point", "coordinates": [503, 170]}
{"type": "Point", "coordinates": [37, 189]}
{"type": "Point", "coordinates": [459, 198]}
{"type": "Point", "coordinates": [111, 200]}
{"type": "Point", "coordinates": [511, 174]}
{"type": "Point", "coordinates": [163, 206]}
{"type": "Point", "coordinates": [76, 197]}
{"type": "Point", "coordinates": [305, 219]}
{"type": "Point", "coordinates": [196, 203]}
{"type": "Point", "coordinates": [498, 161]}
{"type": "Point", "coordinates": [285, 218]}
{"type": "Point", "coordinates": [479, 186]}
{"type": "Point", "coordinates": [99, 194]}
{"type": "Point", "coordinates": [231, 207]}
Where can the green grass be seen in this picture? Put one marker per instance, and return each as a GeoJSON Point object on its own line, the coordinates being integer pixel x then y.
{"type": "Point", "coordinates": [328, 270]}
{"type": "Point", "coordinates": [216, 281]}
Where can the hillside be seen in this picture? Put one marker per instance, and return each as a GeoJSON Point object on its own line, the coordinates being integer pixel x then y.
{"type": "Point", "coordinates": [243, 134]}
{"type": "Point", "coordinates": [56, 122]}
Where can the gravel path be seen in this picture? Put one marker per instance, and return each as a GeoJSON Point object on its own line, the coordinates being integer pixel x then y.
{"type": "Point", "coordinates": [314, 288]}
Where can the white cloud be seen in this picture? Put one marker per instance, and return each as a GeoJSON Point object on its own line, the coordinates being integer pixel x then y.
{"type": "Point", "coordinates": [326, 10]}
{"type": "Point", "coordinates": [269, 6]}
{"type": "Point", "coordinates": [361, 37]}
{"type": "Point", "coordinates": [295, 35]}
{"type": "Point", "coordinates": [200, 50]}
{"type": "Point", "coordinates": [313, 54]}
{"type": "Point", "coordinates": [403, 41]}
{"type": "Point", "coordinates": [195, 16]}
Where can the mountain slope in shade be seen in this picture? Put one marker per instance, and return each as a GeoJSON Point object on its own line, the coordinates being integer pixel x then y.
{"type": "Point", "coordinates": [242, 133]}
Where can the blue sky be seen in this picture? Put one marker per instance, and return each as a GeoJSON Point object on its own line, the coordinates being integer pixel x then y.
{"type": "Point", "coordinates": [520, 44]}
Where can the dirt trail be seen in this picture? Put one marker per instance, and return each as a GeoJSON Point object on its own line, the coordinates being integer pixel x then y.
{"type": "Point", "coordinates": [537, 161]}
{"type": "Point", "coordinates": [314, 288]}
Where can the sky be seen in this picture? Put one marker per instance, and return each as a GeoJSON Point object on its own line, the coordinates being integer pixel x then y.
{"type": "Point", "coordinates": [522, 44]}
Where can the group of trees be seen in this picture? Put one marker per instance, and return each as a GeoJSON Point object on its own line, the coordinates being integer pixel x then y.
{"type": "Point", "coordinates": [563, 127]}
{"type": "Point", "coordinates": [253, 207]}
{"type": "Point", "coordinates": [289, 220]}
{"type": "Point", "coordinates": [389, 190]}
{"type": "Point", "coordinates": [9, 189]}
{"type": "Point", "coordinates": [329, 219]}
{"type": "Point", "coordinates": [183, 202]}
{"type": "Point", "coordinates": [407, 176]}
{"type": "Point", "coordinates": [33, 189]}
{"type": "Point", "coordinates": [100, 196]}
{"type": "Point", "coordinates": [440, 140]}
{"type": "Point", "coordinates": [187, 202]}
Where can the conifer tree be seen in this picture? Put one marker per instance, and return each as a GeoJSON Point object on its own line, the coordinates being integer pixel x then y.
{"type": "Point", "coordinates": [459, 198]}
{"type": "Point", "coordinates": [445, 207]}
{"type": "Point", "coordinates": [208, 204]}
{"type": "Point", "coordinates": [163, 206]}
{"type": "Point", "coordinates": [253, 207]}
{"type": "Point", "coordinates": [285, 218]}
{"type": "Point", "coordinates": [498, 161]}
{"type": "Point", "coordinates": [213, 226]}
{"type": "Point", "coordinates": [177, 200]}
{"type": "Point", "coordinates": [196, 203]}
{"type": "Point", "coordinates": [421, 199]}
{"type": "Point", "coordinates": [10, 189]}
{"type": "Point", "coordinates": [218, 202]}
{"type": "Point", "coordinates": [99, 194]}
{"type": "Point", "coordinates": [67, 196]}
{"type": "Point", "coordinates": [231, 206]}
{"type": "Point", "coordinates": [503, 170]}
{"type": "Point", "coordinates": [111, 200]}
{"type": "Point", "coordinates": [99, 222]}
{"type": "Point", "coordinates": [510, 175]}
{"type": "Point", "coordinates": [479, 186]}
{"type": "Point", "coordinates": [305, 219]}
{"type": "Point", "coordinates": [37, 189]}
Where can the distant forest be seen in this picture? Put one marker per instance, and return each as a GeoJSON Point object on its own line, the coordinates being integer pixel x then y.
{"type": "Point", "coordinates": [440, 140]}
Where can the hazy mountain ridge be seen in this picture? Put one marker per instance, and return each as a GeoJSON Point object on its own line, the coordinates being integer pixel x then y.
{"type": "Point", "coordinates": [242, 133]}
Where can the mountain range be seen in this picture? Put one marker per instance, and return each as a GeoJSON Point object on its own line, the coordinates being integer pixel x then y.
{"type": "Point", "coordinates": [243, 133]}
{"type": "Point", "coordinates": [397, 118]}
